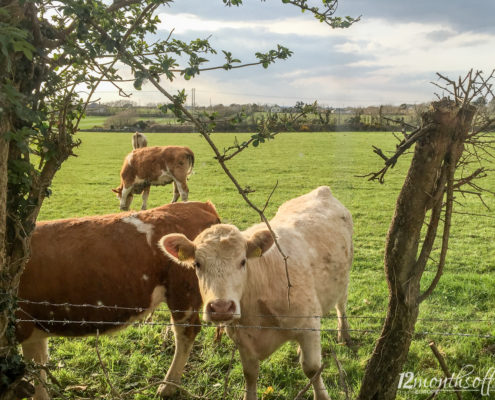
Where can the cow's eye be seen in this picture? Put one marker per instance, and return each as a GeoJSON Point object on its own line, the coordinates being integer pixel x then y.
{"type": "Point", "coordinates": [243, 263]}
{"type": "Point", "coordinates": [197, 265]}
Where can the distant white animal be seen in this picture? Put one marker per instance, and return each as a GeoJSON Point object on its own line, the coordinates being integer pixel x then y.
{"type": "Point", "coordinates": [243, 282]}
{"type": "Point", "coordinates": [139, 140]}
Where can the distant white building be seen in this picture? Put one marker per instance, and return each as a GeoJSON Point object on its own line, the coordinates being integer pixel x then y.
{"type": "Point", "coordinates": [96, 109]}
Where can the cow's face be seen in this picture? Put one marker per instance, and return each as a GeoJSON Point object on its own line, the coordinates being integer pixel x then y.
{"type": "Point", "coordinates": [220, 257]}
{"type": "Point", "coordinates": [124, 203]}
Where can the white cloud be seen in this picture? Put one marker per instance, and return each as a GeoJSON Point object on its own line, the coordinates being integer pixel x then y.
{"type": "Point", "coordinates": [397, 48]}
{"type": "Point", "coordinates": [375, 61]}
{"type": "Point", "coordinates": [183, 23]}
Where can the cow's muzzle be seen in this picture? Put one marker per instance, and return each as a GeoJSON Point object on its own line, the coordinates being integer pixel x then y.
{"type": "Point", "coordinates": [221, 310]}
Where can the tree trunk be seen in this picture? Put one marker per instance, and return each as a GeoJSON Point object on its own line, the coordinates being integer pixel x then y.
{"type": "Point", "coordinates": [4, 156]}
{"type": "Point", "coordinates": [437, 151]}
{"type": "Point", "coordinates": [11, 366]}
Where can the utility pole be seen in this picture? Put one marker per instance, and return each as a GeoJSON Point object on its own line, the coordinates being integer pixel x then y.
{"type": "Point", "coordinates": [193, 99]}
{"type": "Point", "coordinates": [193, 104]}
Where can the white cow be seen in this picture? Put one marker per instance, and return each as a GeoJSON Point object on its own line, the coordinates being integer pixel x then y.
{"type": "Point", "coordinates": [243, 283]}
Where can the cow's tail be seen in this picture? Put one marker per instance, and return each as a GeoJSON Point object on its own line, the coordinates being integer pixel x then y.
{"type": "Point", "coordinates": [190, 158]}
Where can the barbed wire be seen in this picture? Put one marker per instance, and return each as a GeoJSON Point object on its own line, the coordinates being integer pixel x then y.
{"type": "Point", "coordinates": [167, 310]}
{"type": "Point", "coordinates": [48, 324]}
{"type": "Point", "coordinates": [233, 325]}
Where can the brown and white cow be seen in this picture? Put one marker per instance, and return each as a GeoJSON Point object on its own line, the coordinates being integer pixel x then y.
{"type": "Point", "coordinates": [139, 140]}
{"type": "Point", "coordinates": [243, 283]}
{"type": "Point", "coordinates": [110, 260]}
{"type": "Point", "coordinates": [158, 165]}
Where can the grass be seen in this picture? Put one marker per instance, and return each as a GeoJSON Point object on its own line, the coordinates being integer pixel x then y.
{"type": "Point", "coordinates": [463, 300]}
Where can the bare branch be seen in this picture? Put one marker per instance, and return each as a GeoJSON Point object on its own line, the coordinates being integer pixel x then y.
{"type": "Point", "coordinates": [117, 5]}
{"type": "Point", "coordinates": [205, 133]}
{"type": "Point", "coordinates": [269, 197]}
{"type": "Point", "coordinates": [398, 121]}
{"type": "Point", "coordinates": [311, 381]}
{"type": "Point", "coordinates": [104, 369]}
{"type": "Point", "coordinates": [446, 233]}
{"type": "Point", "coordinates": [104, 72]}
{"type": "Point", "coordinates": [401, 148]}
{"type": "Point", "coordinates": [139, 390]}
{"type": "Point", "coordinates": [445, 370]}
{"type": "Point", "coordinates": [342, 374]}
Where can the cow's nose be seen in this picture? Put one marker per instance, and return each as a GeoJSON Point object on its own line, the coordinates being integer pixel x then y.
{"type": "Point", "coordinates": [221, 310]}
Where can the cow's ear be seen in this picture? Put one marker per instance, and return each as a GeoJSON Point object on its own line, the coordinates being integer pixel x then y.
{"type": "Point", "coordinates": [178, 247]}
{"type": "Point", "coordinates": [115, 190]}
{"type": "Point", "coordinates": [259, 244]}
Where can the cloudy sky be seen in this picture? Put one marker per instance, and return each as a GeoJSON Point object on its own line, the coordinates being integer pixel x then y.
{"type": "Point", "coordinates": [389, 57]}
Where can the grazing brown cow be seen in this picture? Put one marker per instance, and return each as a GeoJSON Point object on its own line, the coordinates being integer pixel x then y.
{"type": "Point", "coordinates": [159, 165]}
{"type": "Point", "coordinates": [244, 283]}
{"type": "Point", "coordinates": [105, 261]}
{"type": "Point", "coordinates": [139, 141]}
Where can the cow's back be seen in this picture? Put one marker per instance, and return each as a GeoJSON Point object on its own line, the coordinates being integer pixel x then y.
{"type": "Point", "coordinates": [152, 161]}
{"type": "Point", "coordinates": [105, 261]}
{"type": "Point", "coordinates": [315, 231]}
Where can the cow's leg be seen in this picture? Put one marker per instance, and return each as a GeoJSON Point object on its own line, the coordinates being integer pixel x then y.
{"type": "Point", "coordinates": [310, 359]}
{"type": "Point", "coordinates": [146, 193]}
{"type": "Point", "coordinates": [124, 203]}
{"type": "Point", "coordinates": [250, 367]}
{"type": "Point", "coordinates": [183, 189]}
{"type": "Point", "coordinates": [176, 193]}
{"type": "Point", "coordinates": [37, 350]}
{"type": "Point", "coordinates": [184, 339]}
{"type": "Point", "coordinates": [343, 324]}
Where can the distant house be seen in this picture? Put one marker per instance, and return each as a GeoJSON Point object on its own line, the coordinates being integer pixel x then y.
{"type": "Point", "coordinates": [343, 111]}
{"type": "Point", "coordinates": [97, 109]}
{"type": "Point", "coordinates": [275, 109]}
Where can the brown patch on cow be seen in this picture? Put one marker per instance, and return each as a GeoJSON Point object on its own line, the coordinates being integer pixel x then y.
{"type": "Point", "coordinates": [102, 260]}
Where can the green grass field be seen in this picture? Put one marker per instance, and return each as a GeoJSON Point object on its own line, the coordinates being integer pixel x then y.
{"type": "Point", "coordinates": [462, 303]}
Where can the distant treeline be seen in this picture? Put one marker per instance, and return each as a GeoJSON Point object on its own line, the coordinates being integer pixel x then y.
{"type": "Point", "coordinates": [127, 116]}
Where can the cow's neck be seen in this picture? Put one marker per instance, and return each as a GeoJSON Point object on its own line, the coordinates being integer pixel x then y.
{"type": "Point", "coordinates": [265, 292]}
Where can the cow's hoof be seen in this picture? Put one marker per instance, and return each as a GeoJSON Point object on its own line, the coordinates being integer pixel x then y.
{"type": "Point", "coordinates": [166, 390]}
